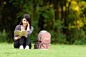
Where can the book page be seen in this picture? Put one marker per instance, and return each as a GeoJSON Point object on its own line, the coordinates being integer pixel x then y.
{"type": "Point", "coordinates": [24, 33]}
{"type": "Point", "coordinates": [17, 33]}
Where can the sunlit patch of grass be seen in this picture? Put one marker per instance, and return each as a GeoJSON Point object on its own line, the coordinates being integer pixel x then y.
{"type": "Point", "coordinates": [57, 50]}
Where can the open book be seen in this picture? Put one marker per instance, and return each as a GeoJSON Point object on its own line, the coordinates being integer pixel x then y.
{"type": "Point", "coordinates": [22, 33]}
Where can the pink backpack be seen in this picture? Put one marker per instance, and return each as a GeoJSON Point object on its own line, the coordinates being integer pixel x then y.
{"type": "Point", "coordinates": [43, 40]}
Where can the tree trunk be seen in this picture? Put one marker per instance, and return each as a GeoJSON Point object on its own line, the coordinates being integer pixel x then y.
{"type": "Point", "coordinates": [33, 9]}
{"type": "Point", "coordinates": [1, 7]}
{"type": "Point", "coordinates": [38, 10]}
{"type": "Point", "coordinates": [41, 18]}
{"type": "Point", "coordinates": [66, 19]}
{"type": "Point", "coordinates": [56, 7]}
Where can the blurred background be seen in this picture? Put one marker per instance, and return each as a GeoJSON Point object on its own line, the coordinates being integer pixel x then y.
{"type": "Point", "coordinates": [65, 20]}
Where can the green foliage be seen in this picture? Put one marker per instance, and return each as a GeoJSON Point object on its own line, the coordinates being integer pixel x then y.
{"type": "Point", "coordinates": [53, 36]}
{"type": "Point", "coordinates": [3, 37]}
{"type": "Point", "coordinates": [61, 38]}
{"type": "Point", "coordinates": [80, 42]}
{"type": "Point", "coordinates": [33, 36]}
{"type": "Point", "coordinates": [76, 37]}
{"type": "Point", "coordinates": [59, 23]}
{"type": "Point", "coordinates": [46, 15]}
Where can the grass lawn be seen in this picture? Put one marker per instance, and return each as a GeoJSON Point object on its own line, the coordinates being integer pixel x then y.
{"type": "Point", "coordinates": [57, 50]}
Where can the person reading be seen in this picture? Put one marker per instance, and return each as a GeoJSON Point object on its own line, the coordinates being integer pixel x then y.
{"type": "Point", "coordinates": [22, 33]}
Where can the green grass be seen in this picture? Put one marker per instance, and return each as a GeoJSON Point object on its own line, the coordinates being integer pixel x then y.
{"type": "Point", "coordinates": [57, 50]}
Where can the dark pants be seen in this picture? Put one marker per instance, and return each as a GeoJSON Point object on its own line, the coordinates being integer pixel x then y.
{"type": "Point", "coordinates": [23, 41]}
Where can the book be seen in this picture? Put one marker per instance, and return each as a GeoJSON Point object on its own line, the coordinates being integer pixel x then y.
{"type": "Point", "coordinates": [22, 33]}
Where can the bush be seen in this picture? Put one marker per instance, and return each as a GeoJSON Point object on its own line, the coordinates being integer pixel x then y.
{"type": "Point", "coordinates": [60, 38]}
{"type": "Point", "coordinates": [76, 37]}
{"type": "Point", "coordinates": [80, 42]}
{"type": "Point", "coordinates": [3, 37]}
